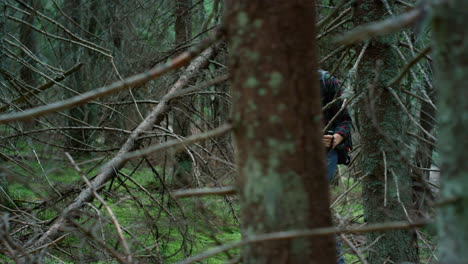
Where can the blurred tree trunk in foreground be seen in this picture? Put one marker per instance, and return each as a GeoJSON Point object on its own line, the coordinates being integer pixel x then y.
{"type": "Point", "coordinates": [451, 59]}
{"type": "Point", "coordinates": [277, 129]}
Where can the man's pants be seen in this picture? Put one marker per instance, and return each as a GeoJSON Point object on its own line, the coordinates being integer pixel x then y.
{"type": "Point", "coordinates": [332, 163]}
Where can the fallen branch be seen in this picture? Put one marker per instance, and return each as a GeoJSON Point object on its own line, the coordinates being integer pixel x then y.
{"type": "Point", "coordinates": [109, 170]}
{"type": "Point", "coordinates": [227, 190]}
{"type": "Point", "coordinates": [114, 220]}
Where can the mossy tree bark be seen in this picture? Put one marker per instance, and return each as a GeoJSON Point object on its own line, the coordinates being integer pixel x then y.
{"type": "Point", "coordinates": [277, 129]}
{"type": "Point", "coordinates": [450, 38]}
{"type": "Point", "coordinates": [387, 191]}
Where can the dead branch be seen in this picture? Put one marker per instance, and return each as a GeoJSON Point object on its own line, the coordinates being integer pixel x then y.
{"type": "Point", "coordinates": [109, 170]}
{"type": "Point", "coordinates": [131, 82]}
{"type": "Point", "coordinates": [409, 65]}
{"type": "Point", "coordinates": [354, 249]}
{"type": "Point", "coordinates": [387, 26]}
{"type": "Point", "coordinates": [343, 107]}
{"type": "Point", "coordinates": [402, 105]}
{"type": "Point", "coordinates": [178, 143]}
{"type": "Point", "coordinates": [68, 32]}
{"type": "Point", "coordinates": [106, 206]}
{"type": "Point", "coordinates": [333, 28]}
{"type": "Point", "coordinates": [227, 190]}
{"type": "Point", "coordinates": [337, 9]}
{"type": "Point", "coordinates": [41, 88]}
{"type": "Point", "coordinates": [401, 43]}
{"type": "Point", "coordinates": [333, 53]}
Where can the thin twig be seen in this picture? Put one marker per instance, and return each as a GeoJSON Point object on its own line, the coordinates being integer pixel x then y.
{"type": "Point", "coordinates": [79, 43]}
{"type": "Point", "coordinates": [42, 87]}
{"type": "Point", "coordinates": [400, 76]}
{"type": "Point", "coordinates": [130, 82]}
{"type": "Point", "coordinates": [68, 32]}
{"type": "Point", "coordinates": [177, 143]}
{"type": "Point", "coordinates": [106, 206]}
{"type": "Point", "coordinates": [343, 107]}
{"type": "Point", "coordinates": [333, 53]}
{"type": "Point", "coordinates": [384, 157]}
{"type": "Point", "coordinates": [347, 191]}
{"type": "Point", "coordinates": [333, 28]}
{"type": "Point", "coordinates": [375, 29]}
{"type": "Point", "coordinates": [395, 178]}
{"type": "Point", "coordinates": [354, 249]}
{"type": "Point", "coordinates": [409, 114]}
{"type": "Point", "coordinates": [335, 11]}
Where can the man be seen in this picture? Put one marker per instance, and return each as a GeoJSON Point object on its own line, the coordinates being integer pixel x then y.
{"type": "Point", "coordinates": [337, 139]}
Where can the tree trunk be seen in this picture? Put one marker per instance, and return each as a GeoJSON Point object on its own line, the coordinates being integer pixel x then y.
{"type": "Point", "coordinates": [28, 40]}
{"type": "Point", "coordinates": [451, 59]}
{"type": "Point", "coordinates": [183, 23]}
{"type": "Point", "coordinates": [5, 201]}
{"type": "Point", "coordinates": [3, 180]}
{"type": "Point", "coordinates": [277, 129]}
{"type": "Point", "coordinates": [78, 137]}
{"type": "Point", "coordinates": [387, 187]}
{"type": "Point", "coordinates": [181, 123]}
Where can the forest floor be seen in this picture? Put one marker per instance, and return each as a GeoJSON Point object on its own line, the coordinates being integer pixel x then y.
{"type": "Point", "coordinates": [156, 226]}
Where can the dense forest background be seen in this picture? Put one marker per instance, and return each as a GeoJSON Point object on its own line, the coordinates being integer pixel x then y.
{"type": "Point", "coordinates": [188, 131]}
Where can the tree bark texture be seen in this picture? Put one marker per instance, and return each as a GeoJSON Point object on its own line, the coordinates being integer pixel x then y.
{"type": "Point", "coordinates": [27, 38]}
{"type": "Point", "coordinates": [183, 22]}
{"type": "Point", "coordinates": [387, 191]}
{"type": "Point", "coordinates": [181, 122]}
{"type": "Point", "coordinates": [277, 129]}
{"type": "Point", "coordinates": [79, 138]}
{"type": "Point", "coordinates": [450, 38]}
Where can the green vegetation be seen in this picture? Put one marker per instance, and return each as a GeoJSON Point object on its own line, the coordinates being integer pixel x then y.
{"type": "Point", "coordinates": [207, 222]}
{"type": "Point", "coordinates": [196, 225]}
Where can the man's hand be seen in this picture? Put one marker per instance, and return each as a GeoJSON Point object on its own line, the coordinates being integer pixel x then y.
{"type": "Point", "coordinates": [336, 138]}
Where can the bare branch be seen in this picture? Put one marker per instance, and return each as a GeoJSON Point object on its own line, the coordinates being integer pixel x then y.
{"type": "Point", "coordinates": [337, 9]}
{"type": "Point", "coordinates": [115, 164]}
{"type": "Point", "coordinates": [43, 87]}
{"type": "Point", "coordinates": [228, 190]}
{"type": "Point", "coordinates": [381, 28]}
{"type": "Point", "coordinates": [131, 82]}
{"type": "Point", "coordinates": [409, 65]}
{"type": "Point", "coordinates": [178, 143]}
{"type": "Point", "coordinates": [108, 209]}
